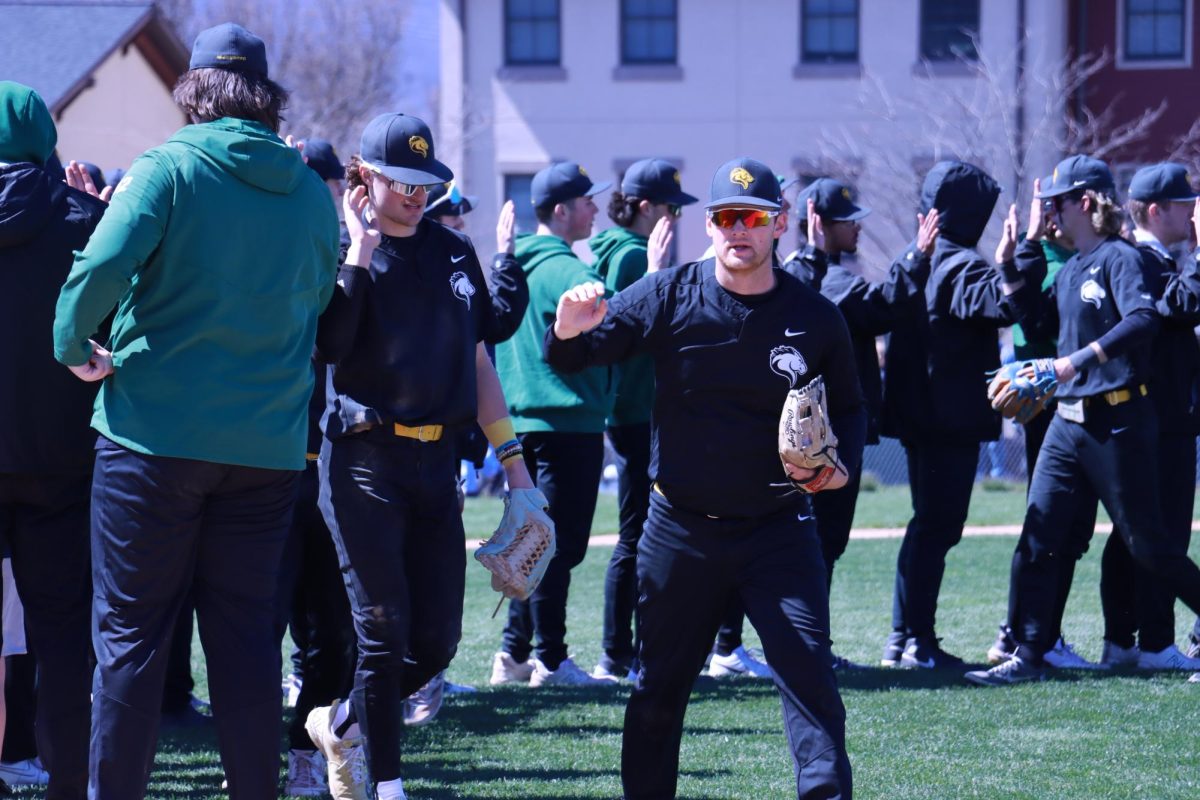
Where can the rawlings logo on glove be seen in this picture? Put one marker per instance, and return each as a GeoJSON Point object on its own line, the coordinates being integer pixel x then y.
{"type": "Point", "coordinates": [519, 552]}
{"type": "Point", "coordinates": [1021, 389]}
{"type": "Point", "coordinates": [806, 439]}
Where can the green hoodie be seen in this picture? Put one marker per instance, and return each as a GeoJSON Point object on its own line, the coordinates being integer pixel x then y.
{"type": "Point", "coordinates": [540, 398]}
{"type": "Point", "coordinates": [27, 131]}
{"type": "Point", "coordinates": [219, 250]}
{"type": "Point", "coordinates": [621, 260]}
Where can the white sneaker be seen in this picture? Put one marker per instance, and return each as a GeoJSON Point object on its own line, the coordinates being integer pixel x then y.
{"type": "Point", "coordinates": [291, 690]}
{"type": "Point", "coordinates": [1063, 656]}
{"type": "Point", "coordinates": [1195, 678]}
{"type": "Point", "coordinates": [346, 760]}
{"type": "Point", "coordinates": [567, 674]}
{"type": "Point", "coordinates": [24, 773]}
{"type": "Point", "coordinates": [306, 774]}
{"type": "Point", "coordinates": [1167, 658]}
{"type": "Point", "coordinates": [739, 662]}
{"type": "Point", "coordinates": [506, 669]}
{"type": "Point", "coordinates": [1116, 656]}
{"type": "Point", "coordinates": [423, 705]}
{"type": "Point", "coordinates": [603, 673]}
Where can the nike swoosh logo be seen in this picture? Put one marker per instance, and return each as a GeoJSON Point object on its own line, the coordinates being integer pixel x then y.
{"type": "Point", "coordinates": [790, 332]}
{"type": "Point", "coordinates": [454, 260]}
{"type": "Point", "coordinates": [1093, 270]}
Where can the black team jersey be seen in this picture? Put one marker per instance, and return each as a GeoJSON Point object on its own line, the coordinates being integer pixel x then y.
{"type": "Point", "coordinates": [723, 366]}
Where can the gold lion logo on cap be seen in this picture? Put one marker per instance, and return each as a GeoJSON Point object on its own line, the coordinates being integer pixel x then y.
{"type": "Point", "coordinates": [582, 171]}
{"type": "Point", "coordinates": [845, 193]}
{"type": "Point", "coordinates": [419, 146]}
{"type": "Point", "coordinates": [676, 177]}
{"type": "Point", "coordinates": [1054, 176]}
{"type": "Point", "coordinates": [741, 177]}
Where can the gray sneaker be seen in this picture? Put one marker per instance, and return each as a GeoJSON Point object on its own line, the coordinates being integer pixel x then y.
{"type": "Point", "coordinates": [1015, 670]}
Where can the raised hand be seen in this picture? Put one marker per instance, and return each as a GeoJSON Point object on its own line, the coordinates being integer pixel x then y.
{"type": "Point", "coordinates": [658, 249]}
{"type": "Point", "coordinates": [927, 231]}
{"type": "Point", "coordinates": [506, 228]}
{"type": "Point", "coordinates": [816, 228]}
{"type": "Point", "coordinates": [1196, 221]}
{"type": "Point", "coordinates": [1008, 239]}
{"type": "Point", "coordinates": [98, 367]}
{"type": "Point", "coordinates": [292, 141]}
{"type": "Point", "coordinates": [580, 309]}
{"type": "Point", "coordinates": [77, 177]}
{"type": "Point", "coordinates": [1037, 216]}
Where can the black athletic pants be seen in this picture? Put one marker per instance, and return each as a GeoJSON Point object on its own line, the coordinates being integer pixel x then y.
{"type": "Point", "coordinates": [1113, 455]}
{"type": "Point", "coordinates": [391, 504]}
{"type": "Point", "coordinates": [566, 467]}
{"type": "Point", "coordinates": [312, 597]}
{"type": "Point", "coordinates": [44, 519]}
{"type": "Point", "coordinates": [164, 528]}
{"type": "Point", "coordinates": [1133, 601]}
{"type": "Point", "coordinates": [632, 445]}
{"type": "Point", "coordinates": [689, 567]}
{"type": "Point", "coordinates": [941, 477]}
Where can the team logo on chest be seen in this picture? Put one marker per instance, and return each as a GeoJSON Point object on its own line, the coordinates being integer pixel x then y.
{"type": "Point", "coordinates": [788, 362]}
{"type": "Point", "coordinates": [462, 287]}
{"type": "Point", "coordinates": [1092, 292]}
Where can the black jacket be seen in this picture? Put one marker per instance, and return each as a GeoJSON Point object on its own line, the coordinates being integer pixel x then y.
{"type": "Point", "coordinates": [935, 388]}
{"type": "Point", "coordinates": [1175, 361]}
{"type": "Point", "coordinates": [870, 310]}
{"type": "Point", "coordinates": [45, 411]}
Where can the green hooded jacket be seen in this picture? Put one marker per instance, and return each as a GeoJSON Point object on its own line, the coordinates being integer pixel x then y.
{"type": "Point", "coordinates": [27, 131]}
{"type": "Point", "coordinates": [621, 260]}
{"type": "Point", "coordinates": [219, 250]}
{"type": "Point", "coordinates": [540, 398]}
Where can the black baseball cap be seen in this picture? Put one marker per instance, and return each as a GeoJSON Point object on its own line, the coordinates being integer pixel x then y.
{"type": "Point", "coordinates": [561, 182]}
{"type": "Point", "coordinates": [656, 180]}
{"type": "Point", "coordinates": [232, 47]}
{"type": "Point", "coordinates": [1076, 173]}
{"type": "Point", "coordinates": [323, 160]}
{"type": "Point", "coordinates": [445, 200]}
{"type": "Point", "coordinates": [832, 201]}
{"type": "Point", "coordinates": [1165, 181]}
{"type": "Point", "coordinates": [745, 183]}
{"type": "Point", "coordinates": [401, 148]}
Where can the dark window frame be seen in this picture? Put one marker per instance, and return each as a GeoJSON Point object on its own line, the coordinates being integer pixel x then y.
{"type": "Point", "coordinates": [829, 57]}
{"type": "Point", "coordinates": [936, 35]}
{"type": "Point", "coordinates": [626, 19]}
{"type": "Point", "coordinates": [532, 20]}
{"type": "Point", "coordinates": [1154, 14]}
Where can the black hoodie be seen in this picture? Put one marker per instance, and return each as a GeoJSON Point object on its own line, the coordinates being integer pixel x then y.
{"type": "Point", "coordinates": [934, 384]}
{"type": "Point", "coordinates": [45, 411]}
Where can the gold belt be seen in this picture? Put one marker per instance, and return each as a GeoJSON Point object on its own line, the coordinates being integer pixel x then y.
{"type": "Point", "coordinates": [422, 433]}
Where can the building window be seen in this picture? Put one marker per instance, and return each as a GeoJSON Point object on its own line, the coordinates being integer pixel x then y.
{"type": "Point", "coordinates": [649, 31]}
{"type": "Point", "coordinates": [531, 33]}
{"type": "Point", "coordinates": [1154, 30]}
{"type": "Point", "coordinates": [519, 189]}
{"type": "Point", "coordinates": [829, 32]}
{"type": "Point", "coordinates": [949, 29]}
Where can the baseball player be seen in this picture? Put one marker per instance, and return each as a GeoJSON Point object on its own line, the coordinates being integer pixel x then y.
{"type": "Point", "coordinates": [404, 340]}
{"type": "Point", "coordinates": [202, 410]}
{"type": "Point", "coordinates": [870, 310]}
{"type": "Point", "coordinates": [560, 420]}
{"type": "Point", "coordinates": [937, 404]}
{"type": "Point", "coordinates": [1161, 202]}
{"type": "Point", "coordinates": [46, 448]}
{"type": "Point", "coordinates": [1103, 440]}
{"type": "Point", "coordinates": [650, 192]}
{"type": "Point", "coordinates": [729, 336]}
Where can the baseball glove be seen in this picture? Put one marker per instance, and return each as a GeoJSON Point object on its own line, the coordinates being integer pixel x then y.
{"type": "Point", "coordinates": [518, 553]}
{"type": "Point", "coordinates": [1021, 389]}
{"type": "Point", "coordinates": [806, 439]}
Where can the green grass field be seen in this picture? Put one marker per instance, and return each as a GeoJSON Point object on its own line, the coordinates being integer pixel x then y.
{"type": "Point", "coordinates": [911, 735]}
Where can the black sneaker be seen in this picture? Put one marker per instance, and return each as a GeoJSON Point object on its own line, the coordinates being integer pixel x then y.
{"type": "Point", "coordinates": [924, 652]}
{"type": "Point", "coordinates": [843, 664]}
{"type": "Point", "coordinates": [1004, 647]}
{"type": "Point", "coordinates": [1015, 670]}
{"type": "Point", "coordinates": [894, 649]}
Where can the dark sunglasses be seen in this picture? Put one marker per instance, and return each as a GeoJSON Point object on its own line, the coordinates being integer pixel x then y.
{"type": "Point", "coordinates": [749, 217]}
{"type": "Point", "coordinates": [674, 210]}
